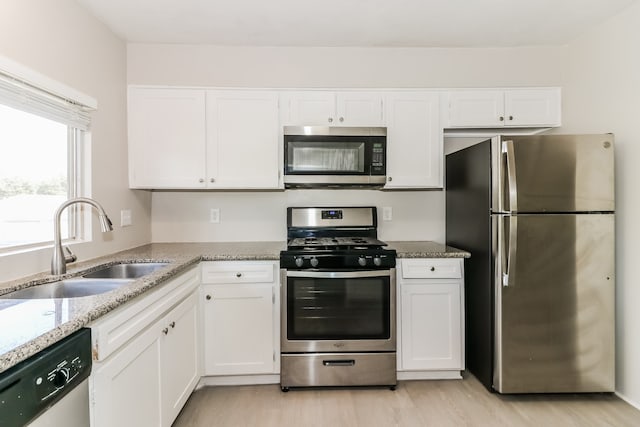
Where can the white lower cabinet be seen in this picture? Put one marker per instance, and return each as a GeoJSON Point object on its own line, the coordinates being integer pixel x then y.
{"type": "Point", "coordinates": [241, 318]}
{"type": "Point", "coordinates": [147, 380]}
{"type": "Point", "coordinates": [431, 338]}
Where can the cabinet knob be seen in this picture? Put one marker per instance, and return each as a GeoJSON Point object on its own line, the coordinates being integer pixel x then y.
{"type": "Point", "coordinates": [212, 180]}
{"type": "Point", "coordinates": [389, 179]}
{"type": "Point", "coordinates": [201, 180]}
{"type": "Point", "coordinates": [165, 331]}
{"type": "Point", "coordinates": [172, 324]}
{"type": "Point", "coordinates": [330, 119]}
{"type": "Point", "coordinates": [238, 274]}
{"type": "Point", "coordinates": [510, 117]}
{"type": "Point", "coordinates": [208, 297]}
{"type": "Point", "coordinates": [341, 119]}
{"type": "Point", "coordinates": [433, 269]}
{"type": "Point", "coordinates": [502, 118]}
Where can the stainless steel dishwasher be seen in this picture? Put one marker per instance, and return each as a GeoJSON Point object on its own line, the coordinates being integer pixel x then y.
{"type": "Point", "coordinates": [50, 388]}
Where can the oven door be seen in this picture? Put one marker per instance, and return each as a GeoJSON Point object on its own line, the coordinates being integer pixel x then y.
{"type": "Point", "coordinates": [344, 311]}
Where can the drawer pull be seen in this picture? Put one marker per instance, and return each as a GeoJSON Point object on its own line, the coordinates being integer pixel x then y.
{"type": "Point", "coordinates": [208, 297]}
{"type": "Point", "coordinates": [433, 269]}
{"type": "Point", "coordinates": [172, 324]}
{"type": "Point", "coordinates": [349, 362]}
{"type": "Point", "coordinates": [238, 274]}
{"type": "Point", "coordinates": [165, 331]}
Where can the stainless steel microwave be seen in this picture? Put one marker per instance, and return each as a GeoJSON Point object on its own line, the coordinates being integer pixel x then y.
{"type": "Point", "coordinates": [322, 156]}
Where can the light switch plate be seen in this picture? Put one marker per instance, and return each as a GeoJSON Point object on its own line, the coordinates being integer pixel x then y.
{"type": "Point", "coordinates": [214, 216]}
{"type": "Point", "coordinates": [125, 218]}
{"type": "Point", "coordinates": [387, 213]}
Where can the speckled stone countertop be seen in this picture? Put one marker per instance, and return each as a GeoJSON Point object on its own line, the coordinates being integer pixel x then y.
{"type": "Point", "coordinates": [426, 249]}
{"type": "Point", "coordinates": [30, 325]}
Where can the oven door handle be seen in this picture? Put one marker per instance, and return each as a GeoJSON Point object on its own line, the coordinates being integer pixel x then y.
{"type": "Point", "coordinates": [339, 274]}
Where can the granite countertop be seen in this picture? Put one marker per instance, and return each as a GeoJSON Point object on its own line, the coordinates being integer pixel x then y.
{"type": "Point", "coordinates": [426, 249]}
{"type": "Point", "coordinates": [30, 325]}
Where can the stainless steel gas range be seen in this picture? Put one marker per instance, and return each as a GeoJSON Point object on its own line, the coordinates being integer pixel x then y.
{"type": "Point", "coordinates": [338, 300]}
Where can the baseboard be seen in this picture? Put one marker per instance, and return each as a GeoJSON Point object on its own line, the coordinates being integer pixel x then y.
{"type": "Point", "coordinates": [629, 401]}
{"type": "Point", "coordinates": [429, 375]}
{"type": "Point", "coordinates": [239, 380]}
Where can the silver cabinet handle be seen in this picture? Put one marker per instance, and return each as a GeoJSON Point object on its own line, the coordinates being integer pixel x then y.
{"type": "Point", "coordinates": [510, 117]}
{"type": "Point", "coordinates": [165, 331]}
{"type": "Point", "coordinates": [341, 119]}
{"type": "Point", "coordinates": [330, 119]}
{"type": "Point", "coordinates": [201, 180]}
{"type": "Point", "coordinates": [502, 118]}
{"type": "Point", "coordinates": [172, 324]}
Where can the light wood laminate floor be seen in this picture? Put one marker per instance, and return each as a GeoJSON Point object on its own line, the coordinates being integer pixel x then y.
{"type": "Point", "coordinates": [414, 403]}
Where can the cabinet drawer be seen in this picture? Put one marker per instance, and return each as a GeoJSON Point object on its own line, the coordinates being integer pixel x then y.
{"type": "Point", "coordinates": [432, 268]}
{"type": "Point", "coordinates": [238, 272]}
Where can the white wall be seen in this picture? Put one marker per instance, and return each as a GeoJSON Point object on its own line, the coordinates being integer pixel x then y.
{"type": "Point", "coordinates": [602, 94]}
{"type": "Point", "coordinates": [61, 40]}
{"type": "Point", "coordinates": [261, 216]}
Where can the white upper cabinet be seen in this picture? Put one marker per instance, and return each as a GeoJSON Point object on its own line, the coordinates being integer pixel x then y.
{"type": "Point", "coordinates": [196, 139]}
{"type": "Point", "coordinates": [414, 140]}
{"type": "Point", "coordinates": [480, 108]}
{"type": "Point", "coordinates": [242, 139]}
{"type": "Point", "coordinates": [166, 138]}
{"type": "Point", "coordinates": [327, 108]}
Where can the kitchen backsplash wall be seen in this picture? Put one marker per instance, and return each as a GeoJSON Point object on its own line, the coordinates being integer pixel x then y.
{"type": "Point", "coordinates": [261, 216]}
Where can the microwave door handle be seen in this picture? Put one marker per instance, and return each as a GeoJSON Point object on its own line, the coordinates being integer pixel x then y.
{"type": "Point", "coordinates": [512, 185]}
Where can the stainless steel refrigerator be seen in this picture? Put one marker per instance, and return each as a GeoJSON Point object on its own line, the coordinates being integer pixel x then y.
{"type": "Point", "coordinates": [537, 215]}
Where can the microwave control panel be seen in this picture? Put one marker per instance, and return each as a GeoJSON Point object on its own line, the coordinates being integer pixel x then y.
{"type": "Point", "coordinates": [377, 159]}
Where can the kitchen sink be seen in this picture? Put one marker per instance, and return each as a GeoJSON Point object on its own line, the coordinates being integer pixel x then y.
{"type": "Point", "coordinates": [126, 270]}
{"type": "Point", "coordinates": [69, 288]}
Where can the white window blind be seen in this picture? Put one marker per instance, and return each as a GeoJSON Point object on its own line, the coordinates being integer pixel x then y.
{"type": "Point", "coordinates": [26, 97]}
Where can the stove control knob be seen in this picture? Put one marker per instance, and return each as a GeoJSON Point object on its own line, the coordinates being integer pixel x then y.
{"type": "Point", "coordinates": [377, 261]}
{"type": "Point", "coordinates": [314, 262]}
{"type": "Point", "coordinates": [362, 261]}
{"type": "Point", "coordinates": [299, 261]}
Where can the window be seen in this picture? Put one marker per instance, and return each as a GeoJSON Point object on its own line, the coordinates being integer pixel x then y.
{"type": "Point", "coordinates": [41, 144]}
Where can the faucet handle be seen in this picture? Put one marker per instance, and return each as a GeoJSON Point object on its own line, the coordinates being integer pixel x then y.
{"type": "Point", "coordinates": [70, 256]}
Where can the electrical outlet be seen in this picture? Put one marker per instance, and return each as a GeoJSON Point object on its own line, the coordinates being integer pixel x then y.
{"type": "Point", "coordinates": [214, 216]}
{"type": "Point", "coordinates": [387, 213]}
{"type": "Point", "coordinates": [125, 218]}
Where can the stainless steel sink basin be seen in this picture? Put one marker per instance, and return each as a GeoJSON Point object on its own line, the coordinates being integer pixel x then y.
{"type": "Point", "coordinates": [126, 270]}
{"type": "Point", "coordinates": [69, 288]}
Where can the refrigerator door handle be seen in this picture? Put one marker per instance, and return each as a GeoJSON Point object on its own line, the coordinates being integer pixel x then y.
{"type": "Point", "coordinates": [507, 149]}
{"type": "Point", "coordinates": [509, 271]}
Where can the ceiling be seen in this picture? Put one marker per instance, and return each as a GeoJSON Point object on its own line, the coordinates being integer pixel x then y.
{"type": "Point", "coordinates": [334, 23]}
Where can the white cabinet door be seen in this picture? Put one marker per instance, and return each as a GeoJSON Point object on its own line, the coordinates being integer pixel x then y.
{"type": "Point", "coordinates": [179, 361]}
{"type": "Point", "coordinates": [166, 138]}
{"type": "Point", "coordinates": [431, 328]}
{"type": "Point", "coordinates": [125, 390]}
{"type": "Point", "coordinates": [239, 329]}
{"type": "Point", "coordinates": [414, 140]}
{"type": "Point", "coordinates": [476, 108]}
{"type": "Point", "coordinates": [359, 108]}
{"type": "Point", "coordinates": [309, 108]}
{"type": "Point", "coordinates": [532, 107]}
{"type": "Point", "coordinates": [327, 108]}
{"type": "Point", "coordinates": [242, 139]}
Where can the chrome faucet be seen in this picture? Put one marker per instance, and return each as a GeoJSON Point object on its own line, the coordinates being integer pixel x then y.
{"type": "Point", "coordinates": [59, 260]}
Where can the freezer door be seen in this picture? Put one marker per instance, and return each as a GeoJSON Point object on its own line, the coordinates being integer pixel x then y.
{"type": "Point", "coordinates": [554, 173]}
{"type": "Point", "coordinates": [554, 291]}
